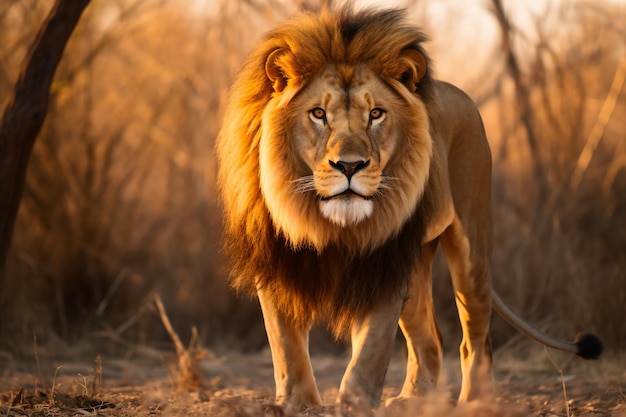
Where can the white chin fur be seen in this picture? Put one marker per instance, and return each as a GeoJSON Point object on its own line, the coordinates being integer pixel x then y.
{"type": "Point", "coordinates": [345, 212]}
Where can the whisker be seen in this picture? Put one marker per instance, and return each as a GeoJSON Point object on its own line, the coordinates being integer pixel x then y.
{"type": "Point", "coordinates": [377, 193]}
{"type": "Point", "coordinates": [303, 184]}
{"type": "Point", "coordinates": [389, 183]}
{"type": "Point", "coordinates": [386, 183]}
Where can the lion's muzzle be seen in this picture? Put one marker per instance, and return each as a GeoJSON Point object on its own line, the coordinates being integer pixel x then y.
{"type": "Point", "coordinates": [349, 168]}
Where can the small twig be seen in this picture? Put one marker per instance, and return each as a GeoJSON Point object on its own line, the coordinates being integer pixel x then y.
{"type": "Point", "coordinates": [133, 319]}
{"type": "Point", "coordinates": [80, 411]}
{"type": "Point", "coordinates": [11, 400]}
{"type": "Point", "coordinates": [180, 349]}
{"type": "Point", "coordinates": [97, 378]}
{"type": "Point", "coordinates": [562, 381]}
{"type": "Point", "coordinates": [189, 373]}
{"type": "Point", "coordinates": [37, 362]}
{"type": "Point", "coordinates": [54, 381]}
{"type": "Point", "coordinates": [83, 384]}
{"type": "Point", "coordinates": [111, 291]}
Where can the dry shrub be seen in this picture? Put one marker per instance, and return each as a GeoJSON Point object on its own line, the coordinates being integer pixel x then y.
{"type": "Point", "coordinates": [559, 238]}
{"type": "Point", "coordinates": [119, 198]}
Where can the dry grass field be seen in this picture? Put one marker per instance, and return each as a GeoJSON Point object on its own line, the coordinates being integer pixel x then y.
{"type": "Point", "coordinates": [241, 385]}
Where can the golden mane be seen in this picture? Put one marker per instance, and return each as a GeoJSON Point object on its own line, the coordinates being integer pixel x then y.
{"type": "Point", "coordinates": [307, 281]}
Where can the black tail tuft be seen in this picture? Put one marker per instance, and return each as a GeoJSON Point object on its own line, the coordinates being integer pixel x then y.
{"type": "Point", "coordinates": [589, 346]}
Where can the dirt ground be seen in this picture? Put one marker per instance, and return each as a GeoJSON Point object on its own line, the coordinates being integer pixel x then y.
{"type": "Point", "coordinates": [145, 384]}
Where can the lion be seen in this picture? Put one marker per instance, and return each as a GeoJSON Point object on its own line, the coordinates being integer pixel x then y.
{"type": "Point", "coordinates": [343, 165]}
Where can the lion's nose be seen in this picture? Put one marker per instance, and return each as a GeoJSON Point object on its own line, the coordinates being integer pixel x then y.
{"type": "Point", "coordinates": [349, 168]}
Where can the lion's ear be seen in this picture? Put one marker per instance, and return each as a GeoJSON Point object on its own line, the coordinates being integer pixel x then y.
{"type": "Point", "coordinates": [274, 72]}
{"type": "Point", "coordinates": [412, 68]}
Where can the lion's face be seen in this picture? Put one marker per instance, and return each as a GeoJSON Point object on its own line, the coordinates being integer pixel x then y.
{"type": "Point", "coordinates": [345, 138]}
{"type": "Point", "coordinates": [343, 158]}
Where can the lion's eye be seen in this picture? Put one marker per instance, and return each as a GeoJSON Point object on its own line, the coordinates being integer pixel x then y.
{"type": "Point", "coordinates": [318, 113]}
{"type": "Point", "coordinates": [377, 115]}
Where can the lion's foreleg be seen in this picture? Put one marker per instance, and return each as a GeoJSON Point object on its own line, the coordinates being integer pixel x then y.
{"type": "Point", "coordinates": [372, 344]}
{"type": "Point", "coordinates": [419, 325]}
{"type": "Point", "coordinates": [293, 373]}
{"type": "Point", "coordinates": [469, 268]}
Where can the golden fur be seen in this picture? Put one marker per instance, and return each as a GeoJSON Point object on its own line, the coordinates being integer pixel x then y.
{"type": "Point", "coordinates": [343, 166]}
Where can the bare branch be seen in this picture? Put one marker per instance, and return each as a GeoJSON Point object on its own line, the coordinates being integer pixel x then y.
{"type": "Point", "coordinates": [599, 127]}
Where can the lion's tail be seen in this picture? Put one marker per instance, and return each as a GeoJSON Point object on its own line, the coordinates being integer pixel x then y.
{"type": "Point", "coordinates": [585, 345]}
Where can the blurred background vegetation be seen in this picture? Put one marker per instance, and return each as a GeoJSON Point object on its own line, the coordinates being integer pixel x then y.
{"type": "Point", "coordinates": [120, 198]}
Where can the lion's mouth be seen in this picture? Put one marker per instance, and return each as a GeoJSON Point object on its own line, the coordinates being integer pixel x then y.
{"type": "Point", "coordinates": [347, 194]}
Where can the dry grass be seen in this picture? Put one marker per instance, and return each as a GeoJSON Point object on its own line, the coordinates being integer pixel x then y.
{"type": "Point", "coordinates": [147, 388]}
{"type": "Point", "coordinates": [50, 398]}
{"type": "Point", "coordinates": [44, 404]}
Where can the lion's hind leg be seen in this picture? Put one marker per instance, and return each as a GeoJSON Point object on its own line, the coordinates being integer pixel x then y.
{"type": "Point", "coordinates": [469, 268]}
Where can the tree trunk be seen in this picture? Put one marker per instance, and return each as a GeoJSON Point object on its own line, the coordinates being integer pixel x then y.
{"type": "Point", "coordinates": [26, 111]}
